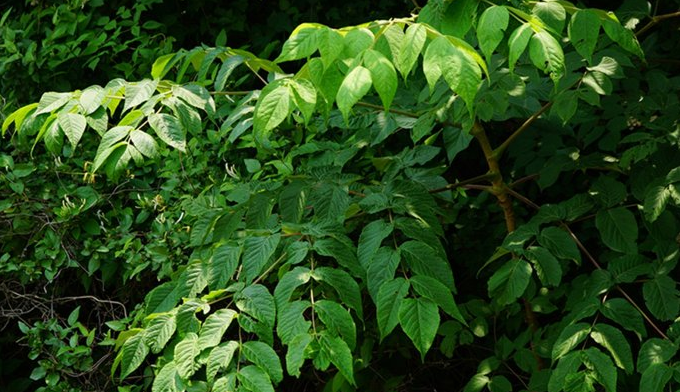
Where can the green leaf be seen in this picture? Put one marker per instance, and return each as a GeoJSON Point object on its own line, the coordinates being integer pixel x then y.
{"type": "Point", "coordinates": [546, 54]}
{"type": "Point", "coordinates": [73, 125]}
{"type": "Point", "coordinates": [661, 297]}
{"type": "Point", "coordinates": [618, 229]}
{"type": "Point", "coordinates": [138, 92]}
{"type": "Point", "coordinates": [509, 282]}
{"type": "Point", "coordinates": [291, 320]}
{"type": "Point", "coordinates": [196, 96]}
{"type": "Point", "coordinates": [565, 105]}
{"type": "Point", "coordinates": [621, 35]}
{"type": "Point", "coordinates": [598, 82]}
{"type": "Point", "coordinates": [167, 379]}
{"type": "Point", "coordinates": [144, 142]}
{"type": "Point", "coordinates": [546, 265]}
{"type": "Point", "coordinates": [567, 365]}
{"type": "Point", "coordinates": [410, 48]}
{"type": "Point", "coordinates": [303, 42]}
{"type": "Point", "coordinates": [219, 358]}
{"type": "Point", "coordinates": [569, 338]}
{"type": "Point", "coordinates": [357, 40]}
{"type": "Point", "coordinates": [605, 372]}
{"type": "Point", "coordinates": [613, 340]}
{"type": "Point", "coordinates": [422, 259]}
{"type": "Point", "coordinates": [490, 29]}
{"type": "Point", "coordinates": [225, 384]}
{"type": "Point", "coordinates": [354, 86]}
{"type": "Point", "coordinates": [655, 351]}
{"type": "Point", "coordinates": [372, 235]}
{"type": "Point", "coordinates": [185, 352]}
{"type": "Point", "coordinates": [337, 320]}
{"type": "Point", "coordinates": [331, 45]}
{"type": "Point", "coordinates": [381, 269]}
{"type": "Point", "coordinates": [460, 71]}
{"type": "Point", "coordinates": [583, 32]}
{"type": "Point", "coordinates": [383, 75]}
{"type": "Point", "coordinates": [257, 302]}
{"type": "Point", "coordinates": [288, 283]}
{"type": "Point", "coordinates": [339, 354]}
{"type": "Point", "coordinates": [255, 379]}
{"type": "Point", "coordinates": [656, 200]}
{"type": "Point", "coordinates": [222, 265]}
{"type": "Point", "coordinates": [214, 327]}
{"type": "Point", "coordinates": [304, 97]}
{"type": "Point", "coordinates": [655, 377]}
{"type": "Point", "coordinates": [552, 14]}
{"type": "Point", "coordinates": [559, 243]}
{"type": "Point", "coordinates": [51, 101]}
{"type": "Point", "coordinates": [17, 117]}
{"type": "Point", "coordinates": [258, 251]}
{"type": "Point", "coordinates": [626, 268]}
{"type": "Point", "coordinates": [159, 331]}
{"type": "Point", "coordinates": [132, 354]}
{"type": "Point", "coordinates": [273, 106]}
{"type": "Point", "coordinates": [623, 313]}
{"type": "Point", "coordinates": [518, 43]}
{"type": "Point", "coordinates": [419, 318]}
{"type": "Point", "coordinates": [433, 289]}
{"type": "Point", "coordinates": [227, 67]}
{"type": "Point", "coordinates": [390, 298]}
{"type": "Point", "coordinates": [168, 129]}
{"type": "Point", "coordinates": [295, 356]}
{"type": "Point", "coordinates": [344, 284]}
{"type": "Point", "coordinates": [265, 358]}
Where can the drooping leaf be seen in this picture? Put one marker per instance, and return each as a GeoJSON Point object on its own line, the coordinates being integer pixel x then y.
{"type": "Point", "coordinates": [265, 358]}
{"type": "Point", "coordinates": [583, 32]}
{"type": "Point", "coordinates": [655, 351]}
{"type": "Point", "coordinates": [383, 75]}
{"type": "Point", "coordinates": [167, 379]}
{"type": "Point", "coordinates": [370, 239]}
{"type": "Point", "coordinates": [410, 48]}
{"type": "Point", "coordinates": [257, 302]}
{"type": "Point", "coordinates": [433, 289]}
{"type": "Point", "coordinates": [138, 92]}
{"type": "Point", "coordinates": [304, 97]}
{"type": "Point", "coordinates": [295, 356]}
{"type": "Point", "coordinates": [491, 27]}
{"type": "Point", "coordinates": [613, 340]}
{"type": "Point", "coordinates": [566, 366]}
{"type": "Point", "coordinates": [546, 54]}
{"type": "Point", "coordinates": [219, 358]}
{"type": "Point", "coordinates": [422, 259]}
{"type": "Point", "coordinates": [257, 252]}
{"type": "Point", "coordinates": [603, 367]}
{"type": "Point", "coordinates": [661, 297]}
{"type": "Point", "coordinates": [222, 265]}
{"type": "Point", "coordinates": [73, 125]}
{"type": "Point", "coordinates": [159, 331]}
{"type": "Point", "coordinates": [519, 39]}
{"type": "Point", "coordinates": [132, 354]}
{"type": "Point", "coordinates": [623, 313]}
{"type": "Point", "coordinates": [337, 320]}
{"type": "Point", "coordinates": [344, 284]}
{"type": "Point", "coordinates": [144, 142]}
{"type": "Point", "coordinates": [303, 42]}
{"type": "Point", "coordinates": [569, 338]}
{"type": "Point", "coordinates": [354, 86]}
{"type": "Point", "coordinates": [618, 229]}
{"type": "Point", "coordinates": [419, 318]}
{"type": "Point", "coordinates": [288, 283]}
{"type": "Point", "coordinates": [552, 14]}
{"type": "Point", "coordinates": [186, 352]}
{"type": "Point", "coordinates": [168, 129]}
{"type": "Point", "coordinates": [546, 265]}
{"type": "Point", "coordinates": [509, 282]}
{"type": "Point", "coordinates": [291, 320]}
{"type": "Point", "coordinates": [559, 243]}
{"type": "Point", "coordinates": [390, 297]}
{"type": "Point", "coordinates": [381, 269]}
{"type": "Point", "coordinates": [255, 379]}
{"type": "Point", "coordinates": [273, 106]}
{"type": "Point", "coordinates": [340, 355]}
{"type": "Point", "coordinates": [214, 327]}
{"type": "Point", "coordinates": [656, 377]}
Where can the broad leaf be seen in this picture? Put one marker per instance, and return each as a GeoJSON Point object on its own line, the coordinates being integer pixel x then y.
{"type": "Point", "coordinates": [546, 265]}
{"type": "Point", "coordinates": [422, 259]}
{"type": "Point", "coordinates": [288, 283]}
{"type": "Point", "coordinates": [509, 282]}
{"type": "Point", "coordinates": [303, 42]}
{"type": "Point", "coordinates": [265, 358]}
{"type": "Point", "coordinates": [613, 340]}
{"type": "Point", "coordinates": [159, 331]}
{"type": "Point", "coordinates": [353, 88]}
{"type": "Point", "coordinates": [340, 355]}
{"type": "Point", "coordinates": [73, 125]}
{"type": "Point", "coordinates": [410, 48]}
{"type": "Point", "coordinates": [518, 43]}
{"type": "Point", "coordinates": [390, 297]}
{"type": "Point", "coordinates": [258, 251]}
{"type": "Point", "coordinates": [344, 284]}
{"type": "Point", "coordinates": [433, 289]}
{"type": "Point", "coordinates": [186, 352]}
{"type": "Point", "coordinates": [219, 358]}
{"type": "Point", "coordinates": [383, 75]}
{"type": "Point", "coordinates": [214, 327]}
{"type": "Point", "coordinates": [337, 320]}
{"type": "Point", "coordinates": [618, 229]}
{"type": "Point", "coordinates": [169, 129]}
{"type": "Point", "coordinates": [546, 54]}
{"type": "Point", "coordinates": [255, 379]}
{"type": "Point", "coordinates": [295, 355]}
{"type": "Point", "coordinates": [419, 318]}
{"type": "Point", "coordinates": [655, 351]}
{"type": "Point", "coordinates": [132, 354]}
{"type": "Point", "coordinates": [583, 31]}
{"type": "Point", "coordinates": [605, 371]}
{"type": "Point", "coordinates": [370, 239]}
{"type": "Point", "coordinates": [661, 297]}
{"type": "Point", "coordinates": [569, 338]}
{"type": "Point", "coordinates": [491, 27]}
{"type": "Point", "coordinates": [273, 106]}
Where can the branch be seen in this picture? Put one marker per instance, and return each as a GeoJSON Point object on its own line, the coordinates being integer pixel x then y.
{"type": "Point", "coordinates": [395, 111]}
{"type": "Point", "coordinates": [498, 152]}
{"type": "Point", "coordinates": [487, 176]}
{"type": "Point", "coordinates": [655, 20]}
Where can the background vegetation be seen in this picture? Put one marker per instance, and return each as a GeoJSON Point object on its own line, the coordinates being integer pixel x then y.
{"type": "Point", "coordinates": [487, 192]}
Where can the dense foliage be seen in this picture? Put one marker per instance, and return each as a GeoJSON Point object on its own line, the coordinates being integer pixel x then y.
{"type": "Point", "coordinates": [482, 190]}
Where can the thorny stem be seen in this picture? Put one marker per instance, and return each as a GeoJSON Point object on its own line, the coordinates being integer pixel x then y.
{"type": "Point", "coordinates": [592, 259]}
